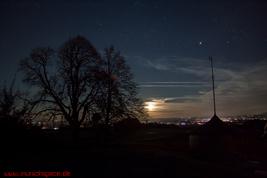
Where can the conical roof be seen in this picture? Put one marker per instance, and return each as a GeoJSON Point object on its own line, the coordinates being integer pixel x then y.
{"type": "Point", "coordinates": [215, 121]}
{"type": "Point", "coordinates": [214, 126]}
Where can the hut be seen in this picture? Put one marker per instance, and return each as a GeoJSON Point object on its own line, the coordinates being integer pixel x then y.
{"type": "Point", "coordinates": [210, 137]}
{"type": "Point", "coordinates": [265, 131]}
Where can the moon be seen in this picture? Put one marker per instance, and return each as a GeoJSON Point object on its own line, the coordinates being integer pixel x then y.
{"type": "Point", "coordinates": [150, 106]}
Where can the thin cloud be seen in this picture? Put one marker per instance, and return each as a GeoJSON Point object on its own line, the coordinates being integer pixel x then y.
{"type": "Point", "coordinates": [191, 66]}
{"type": "Point", "coordinates": [240, 88]}
{"type": "Point", "coordinates": [181, 83]}
{"type": "Point", "coordinates": [162, 86]}
{"type": "Point", "coordinates": [181, 99]}
{"type": "Point", "coordinates": [172, 84]}
{"type": "Point", "coordinates": [244, 93]}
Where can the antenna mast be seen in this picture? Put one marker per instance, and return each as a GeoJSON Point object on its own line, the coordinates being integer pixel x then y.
{"type": "Point", "coordinates": [213, 89]}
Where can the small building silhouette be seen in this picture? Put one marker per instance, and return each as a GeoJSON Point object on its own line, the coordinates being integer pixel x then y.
{"type": "Point", "coordinates": [265, 131]}
{"type": "Point", "coordinates": [210, 137]}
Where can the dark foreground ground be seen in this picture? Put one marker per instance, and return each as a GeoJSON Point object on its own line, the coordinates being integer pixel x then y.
{"type": "Point", "coordinates": [147, 152]}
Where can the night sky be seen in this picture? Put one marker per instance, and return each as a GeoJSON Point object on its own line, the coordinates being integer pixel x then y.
{"type": "Point", "coordinates": [166, 43]}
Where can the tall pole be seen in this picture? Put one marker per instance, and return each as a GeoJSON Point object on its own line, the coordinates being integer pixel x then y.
{"type": "Point", "coordinates": [213, 88]}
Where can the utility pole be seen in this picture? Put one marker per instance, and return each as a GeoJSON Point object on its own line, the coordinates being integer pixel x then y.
{"type": "Point", "coordinates": [213, 88]}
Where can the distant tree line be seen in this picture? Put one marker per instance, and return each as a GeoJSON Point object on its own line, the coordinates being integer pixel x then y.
{"type": "Point", "coordinates": [75, 82]}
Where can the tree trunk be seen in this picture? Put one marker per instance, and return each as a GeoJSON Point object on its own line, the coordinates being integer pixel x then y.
{"type": "Point", "coordinates": [75, 132]}
{"type": "Point", "coordinates": [109, 94]}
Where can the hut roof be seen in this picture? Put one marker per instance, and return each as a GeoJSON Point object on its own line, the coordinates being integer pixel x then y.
{"type": "Point", "coordinates": [215, 122]}
{"type": "Point", "coordinates": [214, 126]}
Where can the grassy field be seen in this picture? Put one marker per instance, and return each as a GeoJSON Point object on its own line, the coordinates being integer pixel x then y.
{"type": "Point", "coordinates": [147, 152]}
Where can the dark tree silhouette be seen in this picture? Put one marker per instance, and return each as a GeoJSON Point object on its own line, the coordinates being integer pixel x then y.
{"type": "Point", "coordinates": [76, 82]}
{"type": "Point", "coordinates": [117, 97]}
{"type": "Point", "coordinates": [65, 79]}
{"type": "Point", "coordinates": [13, 109]}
